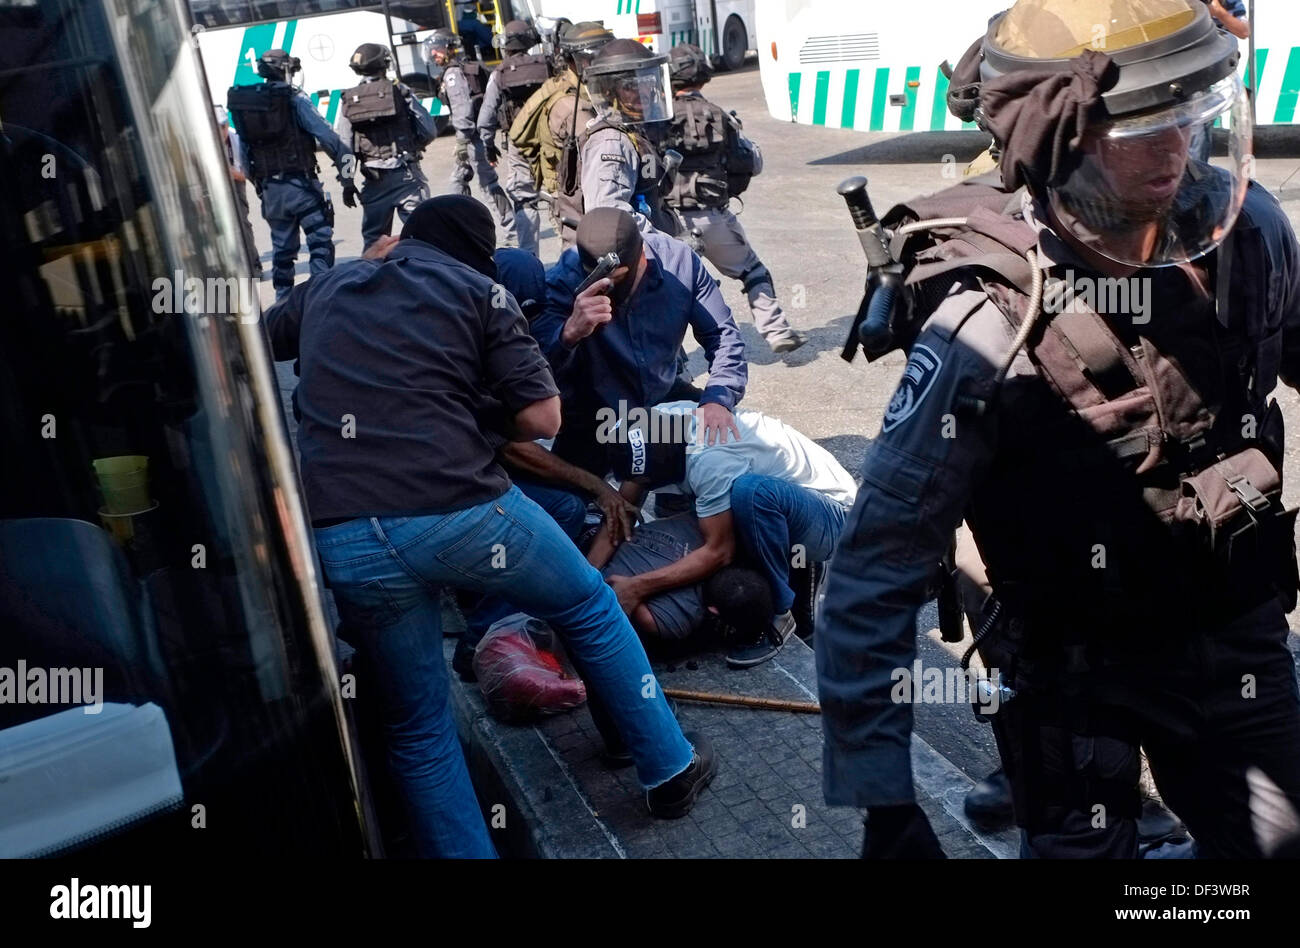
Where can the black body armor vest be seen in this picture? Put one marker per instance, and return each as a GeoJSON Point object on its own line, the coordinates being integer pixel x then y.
{"type": "Point", "coordinates": [381, 121]}
{"type": "Point", "coordinates": [518, 77]}
{"type": "Point", "coordinates": [277, 144]}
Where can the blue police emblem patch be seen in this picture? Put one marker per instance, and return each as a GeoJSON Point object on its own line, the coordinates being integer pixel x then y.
{"type": "Point", "coordinates": [918, 378]}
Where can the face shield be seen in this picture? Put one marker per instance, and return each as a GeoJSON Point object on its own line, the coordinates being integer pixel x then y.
{"type": "Point", "coordinates": [631, 94]}
{"type": "Point", "coordinates": [1146, 193]}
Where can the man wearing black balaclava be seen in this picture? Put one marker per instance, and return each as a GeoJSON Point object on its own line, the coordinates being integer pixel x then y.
{"type": "Point", "coordinates": [405, 497]}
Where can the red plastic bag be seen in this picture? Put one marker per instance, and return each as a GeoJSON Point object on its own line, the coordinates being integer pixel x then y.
{"type": "Point", "coordinates": [518, 679]}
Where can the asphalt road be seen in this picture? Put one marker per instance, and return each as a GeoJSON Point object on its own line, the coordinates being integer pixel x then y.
{"type": "Point", "coordinates": [800, 228]}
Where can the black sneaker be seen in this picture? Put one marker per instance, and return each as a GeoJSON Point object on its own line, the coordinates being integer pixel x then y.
{"type": "Point", "coordinates": [674, 799]}
{"type": "Point", "coordinates": [769, 643]}
{"type": "Point", "coordinates": [615, 754]}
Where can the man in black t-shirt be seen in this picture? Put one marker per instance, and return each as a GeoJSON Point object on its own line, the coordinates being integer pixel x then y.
{"type": "Point", "coordinates": [406, 497]}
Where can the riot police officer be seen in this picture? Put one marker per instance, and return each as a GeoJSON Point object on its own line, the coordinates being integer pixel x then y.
{"type": "Point", "coordinates": [387, 129]}
{"type": "Point", "coordinates": [1091, 391]}
{"type": "Point", "coordinates": [547, 127]}
{"type": "Point", "coordinates": [279, 130]}
{"type": "Point", "coordinates": [620, 161]}
{"type": "Point", "coordinates": [717, 163]}
{"type": "Point", "coordinates": [461, 90]}
{"type": "Point", "coordinates": [511, 84]}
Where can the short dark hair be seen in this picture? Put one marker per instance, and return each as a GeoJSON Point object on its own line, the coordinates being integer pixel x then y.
{"type": "Point", "coordinates": [743, 599]}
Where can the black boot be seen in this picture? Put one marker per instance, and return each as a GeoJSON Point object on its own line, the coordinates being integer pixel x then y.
{"type": "Point", "coordinates": [988, 803]}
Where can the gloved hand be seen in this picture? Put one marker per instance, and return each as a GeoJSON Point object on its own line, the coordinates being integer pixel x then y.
{"type": "Point", "coordinates": [349, 194]}
{"type": "Point", "coordinates": [492, 151]}
{"type": "Point", "coordinates": [461, 154]}
{"type": "Point", "coordinates": [466, 171]}
{"type": "Point", "coordinates": [899, 832]}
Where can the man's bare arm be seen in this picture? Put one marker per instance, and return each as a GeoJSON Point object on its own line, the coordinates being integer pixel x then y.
{"type": "Point", "coordinates": [602, 548]}
{"type": "Point", "coordinates": [719, 549]}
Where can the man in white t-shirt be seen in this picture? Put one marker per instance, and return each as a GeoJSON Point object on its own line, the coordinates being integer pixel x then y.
{"type": "Point", "coordinates": [773, 494]}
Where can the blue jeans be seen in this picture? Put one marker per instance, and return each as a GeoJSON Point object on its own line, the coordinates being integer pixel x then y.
{"type": "Point", "coordinates": [772, 517]}
{"type": "Point", "coordinates": [567, 508]}
{"type": "Point", "coordinates": [386, 573]}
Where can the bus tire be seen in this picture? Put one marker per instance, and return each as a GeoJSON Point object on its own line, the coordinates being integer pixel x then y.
{"type": "Point", "coordinates": [735, 42]}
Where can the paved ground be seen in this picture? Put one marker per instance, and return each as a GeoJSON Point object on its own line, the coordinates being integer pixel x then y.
{"type": "Point", "coordinates": [800, 227]}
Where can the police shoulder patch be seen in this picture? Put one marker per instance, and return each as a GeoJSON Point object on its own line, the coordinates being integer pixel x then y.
{"type": "Point", "coordinates": [918, 378]}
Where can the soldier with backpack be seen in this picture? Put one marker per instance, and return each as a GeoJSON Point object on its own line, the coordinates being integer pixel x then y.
{"type": "Point", "coordinates": [279, 130]}
{"type": "Point", "coordinates": [717, 164]}
{"type": "Point", "coordinates": [511, 85]}
{"type": "Point", "coordinates": [461, 90]}
{"type": "Point", "coordinates": [1093, 338]}
{"type": "Point", "coordinates": [546, 130]}
{"type": "Point", "coordinates": [388, 129]}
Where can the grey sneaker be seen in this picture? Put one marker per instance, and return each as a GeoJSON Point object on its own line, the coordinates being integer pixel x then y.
{"type": "Point", "coordinates": [771, 641]}
{"type": "Point", "coordinates": [788, 343]}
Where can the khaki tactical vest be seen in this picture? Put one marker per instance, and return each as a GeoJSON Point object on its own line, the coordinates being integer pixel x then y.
{"type": "Point", "coordinates": [1137, 482]}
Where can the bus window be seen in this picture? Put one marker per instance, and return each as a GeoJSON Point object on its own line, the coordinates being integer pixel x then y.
{"type": "Point", "coordinates": [165, 659]}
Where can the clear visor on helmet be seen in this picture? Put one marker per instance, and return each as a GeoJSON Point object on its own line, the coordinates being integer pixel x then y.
{"type": "Point", "coordinates": [633, 95]}
{"type": "Point", "coordinates": [1146, 192]}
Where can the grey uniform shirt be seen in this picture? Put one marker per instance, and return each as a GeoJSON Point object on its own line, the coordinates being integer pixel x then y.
{"type": "Point", "coordinates": [611, 168]}
{"type": "Point", "coordinates": [916, 484]}
{"type": "Point", "coordinates": [422, 122]}
{"type": "Point", "coordinates": [487, 112]}
{"type": "Point", "coordinates": [460, 101]}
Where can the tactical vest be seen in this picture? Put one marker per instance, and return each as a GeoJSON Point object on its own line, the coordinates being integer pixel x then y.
{"type": "Point", "coordinates": [647, 192]}
{"type": "Point", "coordinates": [530, 132]}
{"type": "Point", "coordinates": [264, 117]}
{"type": "Point", "coordinates": [1137, 484]}
{"type": "Point", "coordinates": [518, 77]}
{"type": "Point", "coordinates": [699, 131]}
{"type": "Point", "coordinates": [381, 121]}
{"type": "Point", "coordinates": [475, 80]}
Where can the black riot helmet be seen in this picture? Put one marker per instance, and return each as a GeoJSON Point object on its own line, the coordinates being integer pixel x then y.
{"type": "Point", "coordinates": [276, 64]}
{"type": "Point", "coordinates": [581, 42]}
{"type": "Point", "coordinates": [1132, 88]}
{"type": "Point", "coordinates": [370, 59]}
{"type": "Point", "coordinates": [628, 84]}
{"type": "Point", "coordinates": [517, 37]}
{"type": "Point", "coordinates": [688, 66]}
{"type": "Point", "coordinates": [442, 40]}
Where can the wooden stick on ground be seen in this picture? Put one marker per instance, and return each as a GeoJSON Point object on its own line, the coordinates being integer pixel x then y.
{"type": "Point", "coordinates": [744, 701]}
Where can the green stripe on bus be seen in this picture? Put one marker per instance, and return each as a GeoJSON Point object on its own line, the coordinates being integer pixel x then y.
{"type": "Point", "coordinates": [879, 96]}
{"type": "Point", "coordinates": [795, 79]}
{"type": "Point", "coordinates": [290, 28]}
{"type": "Point", "coordinates": [850, 107]}
{"type": "Point", "coordinates": [939, 110]}
{"type": "Point", "coordinates": [909, 110]}
{"type": "Point", "coordinates": [258, 39]}
{"type": "Point", "coordinates": [1286, 100]}
{"type": "Point", "coordinates": [819, 98]}
{"type": "Point", "coordinates": [336, 96]}
{"type": "Point", "coordinates": [1261, 57]}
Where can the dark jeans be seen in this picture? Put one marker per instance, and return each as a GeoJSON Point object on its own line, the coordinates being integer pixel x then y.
{"type": "Point", "coordinates": [777, 522]}
{"type": "Point", "coordinates": [1205, 707]}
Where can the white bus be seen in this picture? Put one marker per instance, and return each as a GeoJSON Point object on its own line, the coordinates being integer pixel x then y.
{"type": "Point", "coordinates": [724, 29]}
{"type": "Point", "coordinates": [322, 34]}
{"type": "Point", "coordinates": [875, 66]}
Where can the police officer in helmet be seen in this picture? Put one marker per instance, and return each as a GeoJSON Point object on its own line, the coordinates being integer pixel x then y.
{"type": "Point", "coordinates": [629, 90]}
{"type": "Point", "coordinates": [462, 87]}
{"type": "Point", "coordinates": [511, 84]}
{"type": "Point", "coordinates": [547, 128]}
{"type": "Point", "coordinates": [1090, 389]}
{"type": "Point", "coordinates": [717, 163]}
{"type": "Point", "coordinates": [279, 130]}
{"type": "Point", "coordinates": [388, 129]}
